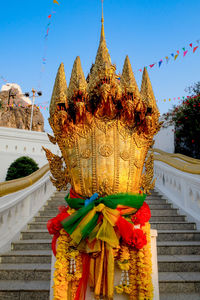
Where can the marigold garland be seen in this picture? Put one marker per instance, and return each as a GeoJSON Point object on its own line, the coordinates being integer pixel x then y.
{"type": "Point", "coordinates": [139, 265]}
{"type": "Point", "coordinates": [65, 284]}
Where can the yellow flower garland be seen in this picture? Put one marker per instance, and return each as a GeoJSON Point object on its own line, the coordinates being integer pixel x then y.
{"type": "Point", "coordinates": [139, 264]}
{"type": "Point", "coordinates": [65, 284]}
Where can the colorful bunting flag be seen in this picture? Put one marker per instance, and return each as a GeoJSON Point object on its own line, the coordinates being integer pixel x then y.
{"type": "Point", "coordinates": [160, 63]}
{"type": "Point", "coordinates": [151, 66]}
{"type": "Point", "coordinates": [175, 57]}
{"type": "Point", "coordinates": [195, 48]}
{"type": "Point", "coordinates": [56, 2]}
{"type": "Point", "coordinates": [167, 59]}
{"type": "Point", "coordinates": [185, 52]}
{"type": "Point", "coordinates": [172, 54]}
{"type": "Point", "coordinates": [190, 45]}
{"type": "Point", "coordinates": [49, 16]}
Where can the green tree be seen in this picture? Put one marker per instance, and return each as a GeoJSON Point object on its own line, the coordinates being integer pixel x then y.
{"type": "Point", "coordinates": [21, 167]}
{"type": "Point", "coordinates": [186, 118]}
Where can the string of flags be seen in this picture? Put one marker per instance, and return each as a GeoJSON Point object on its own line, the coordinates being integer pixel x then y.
{"type": "Point", "coordinates": [45, 107]}
{"type": "Point", "coordinates": [173, 56]}
{"type": "Point", "coordinates": [179, 99]}
{"type": "Point", "coordinates": [49, 17]}
{"type": "Point", "coordinates": [4, 80]}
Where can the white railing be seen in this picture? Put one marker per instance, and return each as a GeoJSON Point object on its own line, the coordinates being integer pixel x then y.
{"type": "Point", "coordinates": [181, 188]}
{"type": "Point", "coordinates": [17, 209]}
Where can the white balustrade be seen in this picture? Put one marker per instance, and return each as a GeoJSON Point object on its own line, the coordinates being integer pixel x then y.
{"type": "Point", "coordinates": [17, 209]}
{"type": "Point", "coordinates": [181, 188]}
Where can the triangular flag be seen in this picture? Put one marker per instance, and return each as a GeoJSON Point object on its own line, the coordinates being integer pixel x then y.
{"type": "Point", "coordinates": [191, 45]}
{"type": "Point", "coordinates": [185, 52]}
{"type": "Point", "coordinates": [177, 51]}
{"type": "Point", "coordinates": [49, 16]}
{"type": "Point", "coordinates": [195, 48]}
{"type": "Point", "coordinates": [167, 58]}
{"type": "Point", "coordinates": [160, 63]}
{"type": "Point", "coordinates": [183, 48]}
{"type": "Point", "coordinates": [172, 54]}
{"type": "Point", "coordinates": [55, 1]}
{"type": "Point", "coordinates": [151, 66]}
{"type": "Point", "coordinates": [175, 56]}
{"type": "Point", "coordinates": [140, 70]}
{"type": "Point", "coordinates": [169, 99]}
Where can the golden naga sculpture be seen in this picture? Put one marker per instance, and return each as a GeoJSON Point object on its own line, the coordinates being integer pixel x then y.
{"type": "Point", "coordinates": [104, 127]}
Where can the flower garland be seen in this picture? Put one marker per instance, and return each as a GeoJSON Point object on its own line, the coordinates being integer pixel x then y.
{"type": "Point", "coordinates": [134, 256]}
{"type": "Point", "coordinates": [139, 264]}
{"type": "Point", "coordinates": [66, 276]}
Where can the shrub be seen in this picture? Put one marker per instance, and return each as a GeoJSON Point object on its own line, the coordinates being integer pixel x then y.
{"type": "Point", "coordinates": [21, 167]}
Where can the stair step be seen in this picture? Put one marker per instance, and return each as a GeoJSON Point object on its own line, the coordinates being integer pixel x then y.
{"type": "Point", "coordinates": [179, 263]}
{"type": "Point", "coordinates": [179, 282]}
{"type": "Point", "coordinates": [24, 290]}
{"type": "Point", "coordinates": [178, 235]}
{"type": "Point", "coordinates": [154, 212]}
{"type": "Point", "coordinates": [54, 204]}
{"type": "Point", "coordinates": [153, 218]}
{"type": "Point", "coordinates": [25, 271]}
{"type": "Point", "coordinates": [32, 245]}
{"type": "Point", "coordinates": [55, 211]}
{"type": "Point", "coordinates": [35, 234]}
{"type": "Point", "coordinates": [179, 296]}
{"type": "Point", "coordinates": [178, 247]}
{"type": "Point", "coordinates": [172, 225]}
{"type": "Point", "coordinates": [23, 257]}
{"type": "Point", "coordinates": [154, 225]}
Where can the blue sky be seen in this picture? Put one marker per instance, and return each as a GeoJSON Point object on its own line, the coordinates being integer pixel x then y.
{"type": "Point", "coordinates": [145, 30]}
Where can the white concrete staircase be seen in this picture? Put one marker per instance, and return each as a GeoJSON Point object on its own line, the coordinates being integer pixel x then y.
{"type": "Point", "coordinates": [25, 270]}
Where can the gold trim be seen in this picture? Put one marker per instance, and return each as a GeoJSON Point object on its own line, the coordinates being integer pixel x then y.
{"type": "Point", "coordinates": [16, 185]}
{"type": "Point", "coordinates": [177, 164]}
{"type": "Point", "coordinates": [178, 155]}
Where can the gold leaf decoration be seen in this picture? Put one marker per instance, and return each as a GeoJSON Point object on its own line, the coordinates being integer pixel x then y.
{"type": "Point", "coordinates": [60, 174]}
{"type": "Point", "coordinates": [147, 182]}
{"type": "Point", "coordinates": [52, 139]}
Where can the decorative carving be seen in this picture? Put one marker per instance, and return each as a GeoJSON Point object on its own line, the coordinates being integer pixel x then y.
{"type": "Point", "coordinates": [125, 155]}
{"type": "Point", "coordinates": [106, 150]}
{"type": "Point", "coordinates": [60, 174]}
{"type": "Point", "coordinates": [52, 139]}
{"type": "Point", "coordinates": [105, 188]}
{"type": "Point", "coordinates": [85, 154]}
{"type": "Point", "coordinates": [146, 180]}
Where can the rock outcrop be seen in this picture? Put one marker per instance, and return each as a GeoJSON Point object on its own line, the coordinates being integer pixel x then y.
{"type": "Point", "coordinates": [15, 111]}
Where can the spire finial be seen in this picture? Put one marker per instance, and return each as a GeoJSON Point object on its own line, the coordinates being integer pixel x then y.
{"type": "Point", "coordinates": [102, 18]}
{"type": "Point", "coordinates": [102, 25]}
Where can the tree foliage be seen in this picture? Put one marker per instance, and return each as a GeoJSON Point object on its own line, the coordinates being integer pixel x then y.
{"type": "Point", "coordinates": [21, 167]}
{"type": "Point", "coordinates": [186, 118]}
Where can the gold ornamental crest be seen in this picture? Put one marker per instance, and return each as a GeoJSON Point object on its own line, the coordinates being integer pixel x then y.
{"type": "Point", "coordinates": [104, 127]}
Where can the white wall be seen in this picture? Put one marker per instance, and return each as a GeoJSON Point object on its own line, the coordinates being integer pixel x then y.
{"type": "Point", "coordinates": [164, 139]}
{"type": "Point", "coordinates": [181, 188]}
{"type": "Point", "coordinates": [15, 143]}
